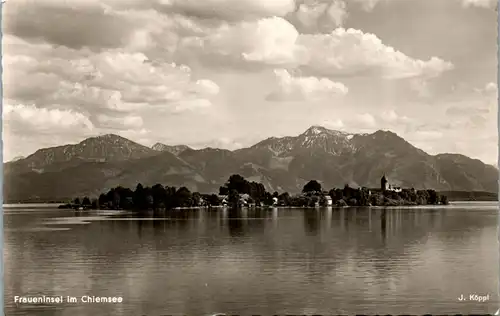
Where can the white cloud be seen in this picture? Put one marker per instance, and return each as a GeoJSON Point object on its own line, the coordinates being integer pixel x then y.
{"type": "Point", "coordinates": [221, 143]}
{"type": "Point", "coordinates": [367, 5]}
{"type": "Point", "coordinates": [480, 3]}
{"type": "Point", "coordinates": [322, 16]}
{"type": "Point", "coordinates": [292, 88]}
{"type": "Point", "coordinates": [128, 121]}
{"type": "Point", "coordinates": [276, 42]}
{"type": "Point", "coordinates": [207, 87]}
{"type": "Point", "coordinates": [392, 117]}
{"type": "Point", "coordinates": [268, 41]}
{"type": "Point", "coordinates": [490, 89]}
{"type": "Point", "coordinates": [351, 52]}
{"type": "Point", "coordinates": [370, 122]}
{"type": "Point", "coordinates": [108, 81]}
{"type": "Point", "coordinates": [233, 9]}
{"type": "Point", "coordinates": [191, 105]}
{"type": "Point", "coordinates": [421, 87]}
{"type": "Point", "coordinates": [336, 124]}
{"type": "Point", "coordinates": [426, 135]}
{"type": "Point", "coordinates": [366, 120]}
{"type": "Point", "coordinates": [21, 118]}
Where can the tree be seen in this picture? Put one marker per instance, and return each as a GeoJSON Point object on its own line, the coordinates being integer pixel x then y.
{"type": "Point", "coordinates": [116, 199]}
{"type": "Point", "coordinates": [238, 183]}
{"type": "Point", "coordinates": [257, 191]}
{"type": "Point", "coordinates": [312, 187]}
{"type": "Point", "coordinates": [443, 199]}
{"type": "Point", "coordinates": [159, 196]}
{"type": "Point", "coordinates": [86, 201]}
{"type": "Point", "coordinates": [284, 199]}
{"type": "Point", "coordinates": [323, 201]}
{"type": "Point", "coordinates": [233, 198]}
{"type": "Point", "coordinates": [213, 200]}
{"type": "Point", "coordinates": [196, 199]}
{"type": "Point", "coordinates": [183, 197]}
{"type": "Point", "coordinates": [268, 199]}
{"type": "Point", "coordinates": [77, 201]}
{"type": "Point", "coordinates": [223, 190]}
{"type": "Point", "coordinates": [102, 200]}
{"type": "Point", "coordinates": [139, 197]}
{"type": "Point", "coordinates": [432, 197]}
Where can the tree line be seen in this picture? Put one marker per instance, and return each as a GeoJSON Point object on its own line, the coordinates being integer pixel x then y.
{"type": "Point", "coordinates": [238, 191]}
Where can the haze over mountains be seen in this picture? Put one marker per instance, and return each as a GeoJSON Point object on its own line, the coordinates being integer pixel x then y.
{"type": "Point", "coordinates": [282, 164]}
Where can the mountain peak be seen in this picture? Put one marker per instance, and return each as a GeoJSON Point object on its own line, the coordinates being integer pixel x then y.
{"type": "Point", "coordinates": [159, 146]}
{"type": "Point", "coordinates": [106, 138]}
{"type": "Point", "coordinates": [315, 130]}
{"type": "Point", "coordinates": [176, 149]}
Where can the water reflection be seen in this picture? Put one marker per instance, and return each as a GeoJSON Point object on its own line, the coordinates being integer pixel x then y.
{"type": "Point", "coordinates": [311, 221]}
{"type": "Point", "coordinates": [236, 222]}
{"type": "Point", "coordinates": [197, 262]}
{"type": "Point", "coordinates": [383, 223]}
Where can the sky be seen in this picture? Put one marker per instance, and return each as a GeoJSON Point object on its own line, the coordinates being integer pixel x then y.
{"type": "Point", "coordinates": [229, 73]}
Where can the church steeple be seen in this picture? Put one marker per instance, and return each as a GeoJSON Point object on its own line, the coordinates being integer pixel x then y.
{"type": "Point", "coordinates": [383, 183]}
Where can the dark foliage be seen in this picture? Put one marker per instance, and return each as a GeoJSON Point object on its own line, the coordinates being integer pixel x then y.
{"type": "Point", "coordinates": [161, 197]}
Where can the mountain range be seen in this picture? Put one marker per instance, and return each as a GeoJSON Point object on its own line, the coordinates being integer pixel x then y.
{"type": "Point", "coordinates": [282, 164]}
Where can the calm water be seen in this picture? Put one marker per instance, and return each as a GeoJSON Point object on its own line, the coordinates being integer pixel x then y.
{"type": "Point", "coordinates": [340, 261]}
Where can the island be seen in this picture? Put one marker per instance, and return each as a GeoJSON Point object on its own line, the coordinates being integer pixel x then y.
{"type": "Point", "coordinates": [238, 192]}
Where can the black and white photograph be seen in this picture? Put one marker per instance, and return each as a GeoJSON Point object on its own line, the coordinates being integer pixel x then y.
{"type": "Point", "coordinates": [250, 157]}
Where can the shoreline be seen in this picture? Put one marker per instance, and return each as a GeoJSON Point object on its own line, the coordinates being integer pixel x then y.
{"type": "Point", "coordinates": [278, 207]}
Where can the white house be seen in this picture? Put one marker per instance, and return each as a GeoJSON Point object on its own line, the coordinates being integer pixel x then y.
{"type": "Point", "coordinates": [329, 201]}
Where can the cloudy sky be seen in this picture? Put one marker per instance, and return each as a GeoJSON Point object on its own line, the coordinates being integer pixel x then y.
{"type": "Point", "coordinates": [228, 73]}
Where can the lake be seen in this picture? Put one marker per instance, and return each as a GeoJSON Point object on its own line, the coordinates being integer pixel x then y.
{"type": "Point", "coordinates": [277, 261]}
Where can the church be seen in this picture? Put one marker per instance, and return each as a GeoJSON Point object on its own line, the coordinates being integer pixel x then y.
{"type": "Point", "coordinates": [386, 186]}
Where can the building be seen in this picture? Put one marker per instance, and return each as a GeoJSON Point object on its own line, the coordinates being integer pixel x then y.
{"type": "Point", "coordinates": [329, 201]}
{"type": "Point", "coordinates": [386, 186]}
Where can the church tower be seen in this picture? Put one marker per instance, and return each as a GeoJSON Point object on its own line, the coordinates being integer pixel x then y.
{"type": "Point", "coordinates": [383, 183]}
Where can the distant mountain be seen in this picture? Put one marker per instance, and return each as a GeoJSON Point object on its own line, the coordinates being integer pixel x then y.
{"type": "Point", "coordinates": [105, 148]}
{"type": "Point", "coordinates": [283, 164]}
{"type": "Point", "coordinates": [176, 149]}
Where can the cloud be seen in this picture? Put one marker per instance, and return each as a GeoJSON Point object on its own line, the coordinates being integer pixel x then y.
{"type": "Point", "coordinates": [392, 117]}
{"type": "Point", "coordinates": [292, 88]}
{"type": "Point", "coordinates": [19, 118]}
{"type": "Point", "coordinates": [352, 52]}
{"type": "Point", "coordinates": [84, 24]}
{"type": "Point", "coordinates": [366, 120]}
{"type": "Point", "coordinates": [195, 104]}
{"type": "Point", "coordinates": [421, 87]}
{"type": "Point", "coordinates": [367, 5]}
{"type": "Point", "coordinates": [269, 41]}
{"type": "Point", "coordinates": [231, 9]}
{"type": "Point", "coordinates": [319, 16]}
{"type": "Point", "coordinates": [207, 87]}
{"type": "Point", "coordinates": [193, 31]}
{"type": "Point", "coordinates": [480, 3]}
{"type": "Point", "coordinates": [489, 89]}
{"type": "Point", "coordinates": [336, 124]}
{"type": "Point", "coordinates": [276, 42]}
{"type": "Point", "coordinates": [475, 108]}
{"type": "Point", "coordinates": [128, 121]}
{"type": "Point", "coordinates": [426, 135]}
{"type": "Point", "coordinates": [108, 81]}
